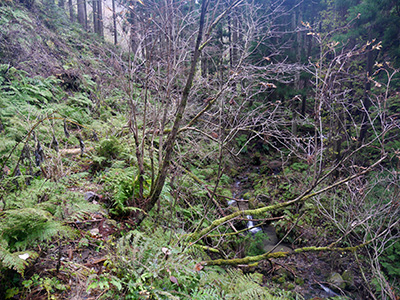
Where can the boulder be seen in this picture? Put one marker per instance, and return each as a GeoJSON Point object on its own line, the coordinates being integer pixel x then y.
{"type": "Point", "coordinates": [336, 280]}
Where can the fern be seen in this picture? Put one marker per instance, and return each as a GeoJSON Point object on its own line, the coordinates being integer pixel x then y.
{"type": "Point", "coordinates": [14, 261]}
{"type": "Point", "coordinates": [207, 293]}
{"type": "Point", "coordinates": [246, 286]}
{"type": "Point", "coordinates": [21, 227]}
{"type": "Point", "coordinates": [145, 264]}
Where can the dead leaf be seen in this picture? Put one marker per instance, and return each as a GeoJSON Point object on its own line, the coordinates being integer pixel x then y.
{"type": "Point", "coordinates": [173, 280]}
{"type": "Point", "coordinates": [198, 267]}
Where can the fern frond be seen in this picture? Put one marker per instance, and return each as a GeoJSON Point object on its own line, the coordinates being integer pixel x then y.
{"type": "Point", "coordinates": [207, 293]}
{"type": "Point", "coordinates": [22, 227]}
{"type": "Point", "coordinates": [166, 294]}
{"type": "Point", "coordinates": [246, 286]}
{"type": "Point", "coordinates": [13, 261]}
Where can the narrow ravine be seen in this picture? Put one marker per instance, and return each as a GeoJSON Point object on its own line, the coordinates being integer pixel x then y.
{"type": "Point", "coordinates": [311, 275]}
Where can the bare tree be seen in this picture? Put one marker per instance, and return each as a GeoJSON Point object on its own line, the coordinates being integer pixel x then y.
{"type": "Point", "coordinates": [177, 108]}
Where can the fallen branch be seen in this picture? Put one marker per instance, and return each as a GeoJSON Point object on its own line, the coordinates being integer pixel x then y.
{"type": "Point", "coordinates": [74, 151]}
{"type": "Point", "coordinates": [254, 259]}
{"type": "Point", "coordinates": [259, 211]}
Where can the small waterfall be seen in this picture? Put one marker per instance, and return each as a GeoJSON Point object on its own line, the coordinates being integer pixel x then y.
{"type": "Point", "coordinates": [250, 224]}
{"type": "Point", "coordinates": [241, 206]}
{"type": "Point", "coordinates": [231, 202]}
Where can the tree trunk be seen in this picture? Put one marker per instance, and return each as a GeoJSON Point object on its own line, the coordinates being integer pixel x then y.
{"type": "Point", "coordinates": [61, 3]}
{"type": "Point", "coordinates": [133, 25]}
{"type": "Point", "coordinates": [114, 23]}
{"type": "Point", "coordinates": [71, 11]}
{"type": "Point", "coordinates": [170, 142]}
{"type": "Point", "coordinates": [81, 12]}
{"type": "Point", "coordinates": [230, 41]}
{"type": "Point", "coordinates": [85, 24]}
{"type": "Point", "coordinates": [95, 18]}
{"type": "Point", "coordinates": [100, 27]}
{"type": "Point", "coordinates": [235, 37]}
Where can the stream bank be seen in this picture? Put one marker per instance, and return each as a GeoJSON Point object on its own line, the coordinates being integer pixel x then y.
{"type": "Point", "coordinates": [312, 275]}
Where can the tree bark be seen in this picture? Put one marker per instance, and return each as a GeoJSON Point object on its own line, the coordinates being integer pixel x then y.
{"type": "Point", "coordinates": [95, 22]}
{"type": "Point", "coordinates": [71, 11]}
{"type": "Point", "coordinates": [114, 23]}
{"type": "Point", "coordinates": [100, 26]}
{"type": "Point", "coordinates": [81, 12]}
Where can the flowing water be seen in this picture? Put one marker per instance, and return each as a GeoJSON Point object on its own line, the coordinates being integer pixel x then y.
{"type": "Point", "coordinates": [313, 287]}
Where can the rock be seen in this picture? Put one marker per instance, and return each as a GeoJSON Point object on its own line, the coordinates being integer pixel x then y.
{"type": "Point", "coordinates": [348, 277]}
{"type": "Point", "coordinates": [91, 196]}
{"type": "Point", "coordinates": [336, 280]}
{"type": "Point", "coordinates": [275, 166]}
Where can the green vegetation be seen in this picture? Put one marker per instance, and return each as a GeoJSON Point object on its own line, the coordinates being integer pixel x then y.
{"type": "Point", "coordinates": [136, 172]}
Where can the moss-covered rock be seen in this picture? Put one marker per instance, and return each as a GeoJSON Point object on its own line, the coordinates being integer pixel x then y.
{"type": "Point", "coordinates": [336, 280]}
{"type": "Point", "coordinates": [348, 277]}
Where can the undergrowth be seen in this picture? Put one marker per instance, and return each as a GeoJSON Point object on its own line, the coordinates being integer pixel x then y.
{"type": "Point", "coordinates": [142, 266]}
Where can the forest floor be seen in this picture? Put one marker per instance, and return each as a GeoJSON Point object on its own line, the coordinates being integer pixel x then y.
{"type": "Point", "coordinates": [81, 65]}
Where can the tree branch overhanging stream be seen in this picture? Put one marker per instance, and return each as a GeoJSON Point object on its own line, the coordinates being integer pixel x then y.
{"type": "Point", "coordinates": [196, 236]}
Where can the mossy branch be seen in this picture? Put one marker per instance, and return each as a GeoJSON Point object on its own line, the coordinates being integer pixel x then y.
{"type": "Point", "coordinates": [259, 211]}
{"type": "Point", "coordinates": [253, 259]}
{"type": "Point", "coordinates": [205, 248]}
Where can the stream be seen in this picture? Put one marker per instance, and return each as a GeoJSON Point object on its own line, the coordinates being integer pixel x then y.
{"type": "Point", "coordinates": [309, 275]}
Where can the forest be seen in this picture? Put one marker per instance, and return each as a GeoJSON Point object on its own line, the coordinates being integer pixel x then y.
{"type": "Point", "coordinates": [200, 149]}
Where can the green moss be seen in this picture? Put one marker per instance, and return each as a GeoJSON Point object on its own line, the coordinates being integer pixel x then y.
{"type": "Point", "coordinates": [225, 192]}
{"type": "Point", "coordinates": [281, 279]}
{"type": "Point", "coordinates": [299, 281]}
{"type": "Point", "coordinates": [247, 195]}
{"type": "Point", "coordinates": [290, 286]}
